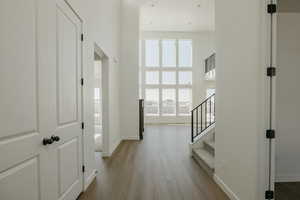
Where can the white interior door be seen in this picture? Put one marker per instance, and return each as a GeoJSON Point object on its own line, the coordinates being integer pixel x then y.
{"type": "Point", "coordinates": [40, 71]}
{"type": "Point", "coordinates": [23, 170]}
{"type": "Point", "coordinates": [68, 150]}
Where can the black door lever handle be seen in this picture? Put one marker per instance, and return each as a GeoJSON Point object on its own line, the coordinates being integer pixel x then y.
{"type": "Point", "coordinates": [55, 138]}
{"type": "Point", "coordinates": [47, 141]}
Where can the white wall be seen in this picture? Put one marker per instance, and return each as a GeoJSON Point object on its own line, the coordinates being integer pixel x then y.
{"type": "Point", "coordinates": [240, 98]}
{"type": "Point", "coordinates": [101, 25]}
{"type": "Point", "coordinates": [129, 96]}
{"type": "Point", "coordinates": [288, 97]}
{"type": "Point", "coordinates": [203, 47]}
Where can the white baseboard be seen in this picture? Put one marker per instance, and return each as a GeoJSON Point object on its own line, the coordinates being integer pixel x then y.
{"type": "Point", "coordinates": [225, 188]}
{"type": "Point", "coordinates": [114, 147]}
{"type": "Point", "coordinates": [89, 179]}
{"type": "Point", "coordinates": [132, 137]}
{"type": "Point", "coordinates": [287, 178]}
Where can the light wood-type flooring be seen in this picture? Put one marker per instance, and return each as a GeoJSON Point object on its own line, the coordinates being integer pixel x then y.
{"type": "Point", "coordinates": [157, 168]}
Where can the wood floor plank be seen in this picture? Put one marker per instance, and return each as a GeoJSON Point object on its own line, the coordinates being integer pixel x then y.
{"type": "Point", "coordinates": [157, 168]}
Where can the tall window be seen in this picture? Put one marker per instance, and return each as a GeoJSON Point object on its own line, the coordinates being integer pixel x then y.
{"type": "Point", "coordinates": [167, 77]}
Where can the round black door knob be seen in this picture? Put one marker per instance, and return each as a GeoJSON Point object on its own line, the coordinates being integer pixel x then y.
{"type": "Point", "coordinates": [47, 141]}
{"type": "Point", "coordinates": [55, 138]}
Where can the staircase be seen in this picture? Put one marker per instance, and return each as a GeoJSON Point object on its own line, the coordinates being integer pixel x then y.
{"type": "Point", "coordinates": [203, 134]}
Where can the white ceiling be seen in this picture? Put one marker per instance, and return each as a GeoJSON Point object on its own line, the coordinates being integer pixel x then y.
{"type": "Point", "coordinates": [177, 15]}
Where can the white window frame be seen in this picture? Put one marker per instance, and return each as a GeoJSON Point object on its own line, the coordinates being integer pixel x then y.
{"type": "Point", "coordinates": [161, 69]}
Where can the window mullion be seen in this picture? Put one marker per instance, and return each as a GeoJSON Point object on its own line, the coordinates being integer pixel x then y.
{"type": "Point", "coordinates": [160, 78]}
{"type": "Point", "coordinates": [177, 78]}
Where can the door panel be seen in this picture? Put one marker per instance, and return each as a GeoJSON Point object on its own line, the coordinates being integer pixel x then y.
{"type": "Point", "coordinates": [67, 34]}
{"type": "Point", "coordinates": [18, 68]}
{"type": "Point", "coordinates": [68, 165]}
{"type": "Point", "coordinates": [10, 181]}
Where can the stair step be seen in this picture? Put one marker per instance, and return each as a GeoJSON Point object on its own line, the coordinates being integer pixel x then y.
{"type": "Point", "coordinates": [209, 145]}
{"type": "Point", "coordinates": [204, 159]}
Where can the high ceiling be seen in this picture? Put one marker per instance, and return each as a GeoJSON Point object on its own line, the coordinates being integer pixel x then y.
{"type": "Point", "coordinates": [177, 15]}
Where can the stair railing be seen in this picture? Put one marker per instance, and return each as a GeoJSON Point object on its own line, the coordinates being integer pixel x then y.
{"type": "Point", "coordinates": [203, 116]}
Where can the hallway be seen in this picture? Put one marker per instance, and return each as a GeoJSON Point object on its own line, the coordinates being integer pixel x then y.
{"type": "Point", "coordinates": [157, 168]}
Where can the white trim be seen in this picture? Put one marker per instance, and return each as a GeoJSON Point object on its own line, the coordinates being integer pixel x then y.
{"type": "Point", "coordinates": [114, 147]}
{"type": "Point", "coordinates": [131, 138]}
{"type": "Point", "coordinates": [225, 188]}
{"type": "Point", "coordinates": [168, 119]}
{"type": "Point", "coordinates": [90, 179]}
{"type": "Point", "coordinates": [287, 178]}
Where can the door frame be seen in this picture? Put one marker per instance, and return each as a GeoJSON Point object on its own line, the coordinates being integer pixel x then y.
{"type": "Point", "coordinates": [270, 95]}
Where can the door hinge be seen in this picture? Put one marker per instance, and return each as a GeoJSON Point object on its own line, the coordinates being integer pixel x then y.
{"type": "Point", "coordinates": [270, 134]}
{"type": "Point", "coordinates": [272, 8]}
{"type": "Point", "coordinates": [82, 37]}
{"type": "Point", "coordinates": [269, 194]}
{"type": "Point", "coordinates": [81, 81]}
{"type": "Point", "coordinates": [82, 125]}
{"type": "Point", "coordinates": [271, 71]}
{"type": "Point", "coordinates": [83, 168]}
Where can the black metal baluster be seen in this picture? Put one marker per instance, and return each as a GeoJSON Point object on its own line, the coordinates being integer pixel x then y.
{"type": "Point", "coordinates": [210, 111]}
{"type": "Point", "coordinates": [192, 125]}
{"type": "Point", "coordinates": [214, 108]}
{"type": "Point", "coordinates": [205, 115]}
{"type": "Point", "coordinates": [201, 118]}
{"type": "Point", "coordinates": [197, 121]}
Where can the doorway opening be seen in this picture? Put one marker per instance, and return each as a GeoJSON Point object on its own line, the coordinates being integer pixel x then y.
{"type": "Point", "coordinates": [100, 98]}
{"type": "Point", "coordinates": [98, 103]}
{"type": "Point", "coordinates": [287, 97]}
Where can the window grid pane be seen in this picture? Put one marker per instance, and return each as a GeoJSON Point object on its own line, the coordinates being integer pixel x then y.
{"type": "Point", "coordinates": [152, 53]}
{"type": "Point", "coordinates": [169, 53]}
{"type": "Point", "coordinates": [152, 102]}
{"type": "Point", "coordinates": [168, 102]}
{"type": "Point", "coordinates": [169, 78]}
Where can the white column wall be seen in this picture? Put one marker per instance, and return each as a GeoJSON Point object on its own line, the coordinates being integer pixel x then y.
{"type": "Point", "coordinates": [129, 82]}
{"type": "Point", "coordinates": [240, 156]}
